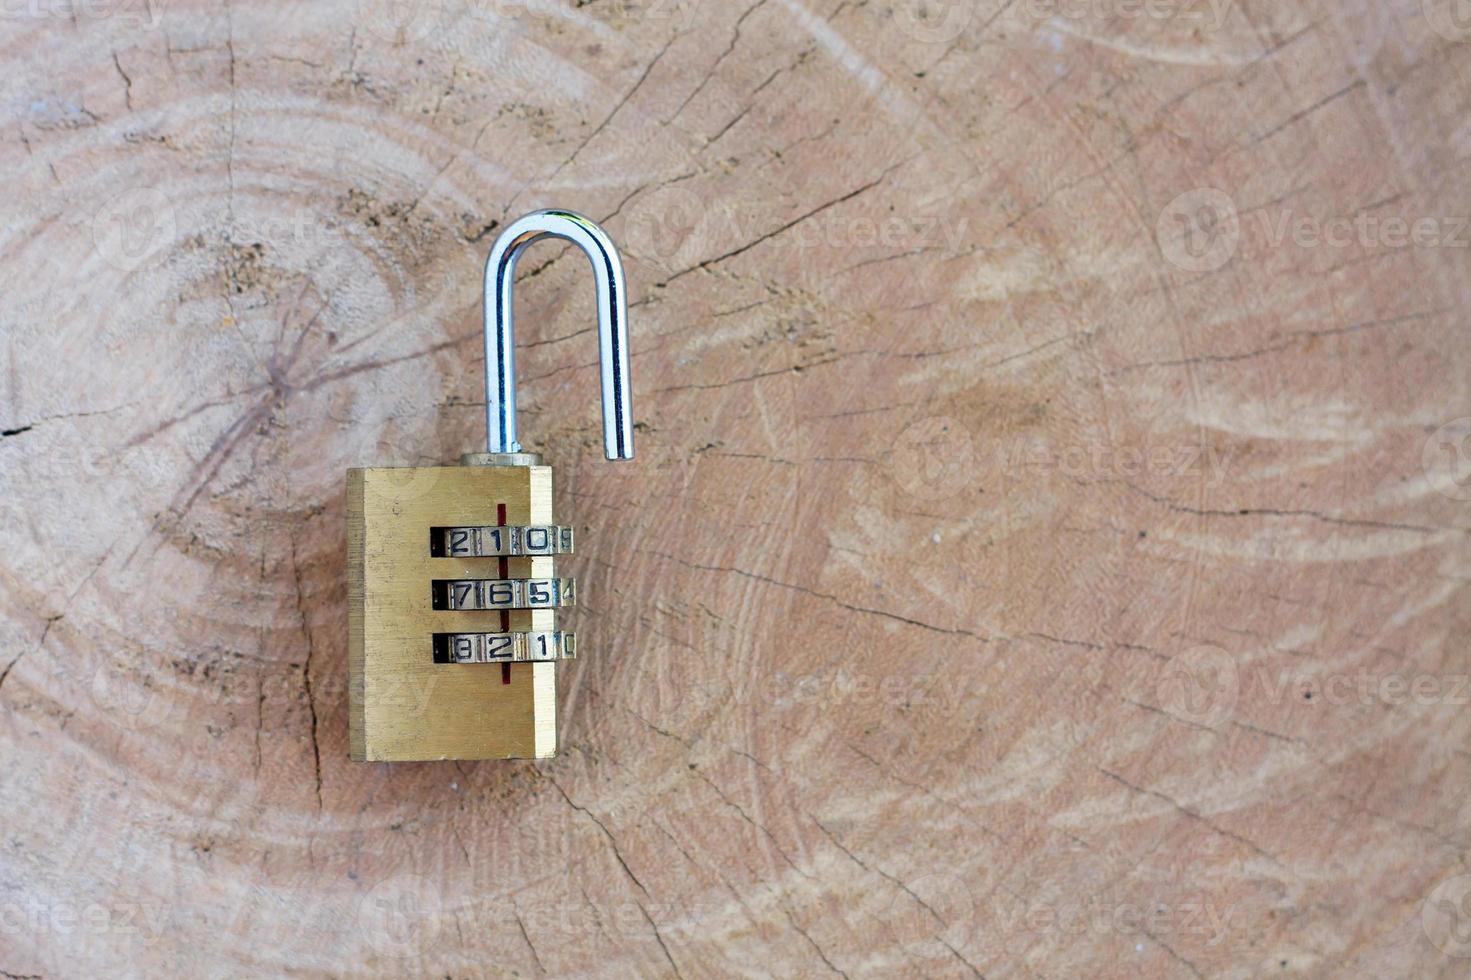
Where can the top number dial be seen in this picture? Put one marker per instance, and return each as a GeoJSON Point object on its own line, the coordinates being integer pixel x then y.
{"type": "Point", "coordinates": [491, 541]}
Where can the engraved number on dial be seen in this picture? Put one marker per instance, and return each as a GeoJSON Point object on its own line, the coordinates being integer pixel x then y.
{"type": "Point", "coordinates": [496, 648]}
{"type": "Point", "coordinates": [476, 542]}
{"type": "Point", "coordinates": [503, 593]}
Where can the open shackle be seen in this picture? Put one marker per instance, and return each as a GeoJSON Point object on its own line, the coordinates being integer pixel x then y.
{"type": "Point", "coordinates": [500, 350]}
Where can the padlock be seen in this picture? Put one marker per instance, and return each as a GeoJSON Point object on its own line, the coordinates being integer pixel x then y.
{"type": "Point", "coordinates": [453, 597]}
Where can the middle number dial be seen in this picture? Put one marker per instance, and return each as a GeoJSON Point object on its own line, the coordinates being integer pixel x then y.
{"type": "Point", "coordinates": [504, 593]}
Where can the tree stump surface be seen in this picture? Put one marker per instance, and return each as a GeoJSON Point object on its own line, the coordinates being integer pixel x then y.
{"type": "Point", "coordinates": [1047, 548]}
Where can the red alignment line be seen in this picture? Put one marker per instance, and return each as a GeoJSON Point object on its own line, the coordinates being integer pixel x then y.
{"type": "Point", "coordinates": [505, 571]}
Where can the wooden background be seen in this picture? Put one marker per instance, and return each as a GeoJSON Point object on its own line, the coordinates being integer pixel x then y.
{"type": "Point", "coordinates": [1046, 555]}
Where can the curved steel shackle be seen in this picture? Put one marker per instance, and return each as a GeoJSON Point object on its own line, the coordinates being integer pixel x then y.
{"type": "Point", "coordinates": [500, 351]}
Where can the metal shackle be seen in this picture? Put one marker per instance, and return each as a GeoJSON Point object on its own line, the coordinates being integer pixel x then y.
{"type": "Point", "coordinates": [500, 351]}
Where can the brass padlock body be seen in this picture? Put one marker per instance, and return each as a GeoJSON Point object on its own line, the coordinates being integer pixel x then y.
{"type": "Point", "coordinates": [404, 706]}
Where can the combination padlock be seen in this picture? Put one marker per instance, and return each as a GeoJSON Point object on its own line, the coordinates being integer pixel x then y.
{"type": "Point", "coordinates": [452, 593]}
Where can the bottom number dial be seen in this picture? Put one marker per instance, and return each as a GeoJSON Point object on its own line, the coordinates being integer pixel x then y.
{"type": "Point", "coordinates": [501, 648]}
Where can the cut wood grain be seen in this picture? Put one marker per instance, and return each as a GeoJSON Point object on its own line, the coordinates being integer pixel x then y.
{"type": "Point", "coordinates": [1047, 552]}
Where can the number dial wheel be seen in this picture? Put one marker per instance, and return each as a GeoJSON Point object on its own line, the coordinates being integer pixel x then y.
{"type": "Point", "coordinates": [496, 593]}
{"type": "Point", "coordinates": [500, 542]}
{"type": "Point", "coordinates": [499, 648]}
